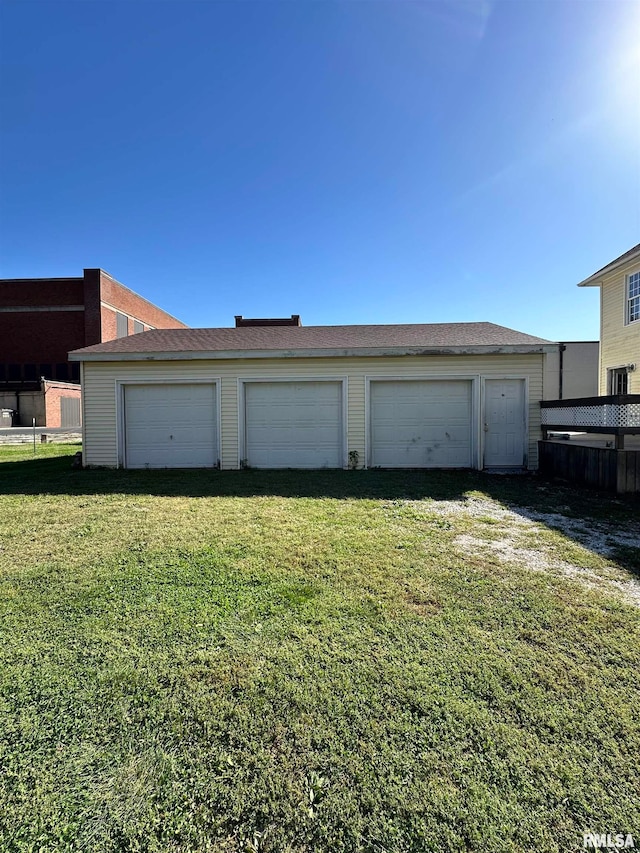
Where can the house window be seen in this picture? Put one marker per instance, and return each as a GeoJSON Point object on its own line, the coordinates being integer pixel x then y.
{"type": "Point", "coordinates": [633, 297]}
{"type": "Point", "coordinates": [137, 327]}
{"type": "Point", "coordinates": [618, 380]}
{"type": "Point", "coordinates": [122, 325]}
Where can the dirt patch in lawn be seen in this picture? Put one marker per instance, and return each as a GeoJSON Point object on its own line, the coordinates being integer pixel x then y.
{"type": "Point", "coordinates": [546, 542]}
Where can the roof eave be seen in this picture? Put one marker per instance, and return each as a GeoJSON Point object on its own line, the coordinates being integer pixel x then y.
{"type": "Point", "coordinates": [597, 278]}
{"type": "Point", "coordinates": [362, 352]}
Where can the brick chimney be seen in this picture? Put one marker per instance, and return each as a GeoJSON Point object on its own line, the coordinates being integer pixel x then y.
{"type": "Point", "coordinates": [294, 320]}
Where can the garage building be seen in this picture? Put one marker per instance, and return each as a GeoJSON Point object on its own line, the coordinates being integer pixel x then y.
{"type": "Point", "coordinates": [266, 394]}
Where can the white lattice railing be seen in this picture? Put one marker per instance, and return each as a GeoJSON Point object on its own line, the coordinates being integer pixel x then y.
{"type": "Point", "coordinates": [590, 413]}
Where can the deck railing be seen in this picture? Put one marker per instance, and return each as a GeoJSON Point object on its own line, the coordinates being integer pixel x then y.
{"type": "Point", "coordinates": [617, 414]}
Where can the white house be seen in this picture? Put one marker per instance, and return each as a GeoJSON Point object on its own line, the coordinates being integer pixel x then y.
{"type": "Point", "coordinates": [619, 283]}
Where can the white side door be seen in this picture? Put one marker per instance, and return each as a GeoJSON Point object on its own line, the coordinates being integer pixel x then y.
{"type": "Point", "coordinates": [504, 426]}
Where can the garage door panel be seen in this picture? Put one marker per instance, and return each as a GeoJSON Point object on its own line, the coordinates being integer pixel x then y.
{"type": "Point", "coordinates": [421, 424]}
{"type": "Point", "coordinates": [170, 426]}
{"type": "Point", "coordinates": [293, 424]}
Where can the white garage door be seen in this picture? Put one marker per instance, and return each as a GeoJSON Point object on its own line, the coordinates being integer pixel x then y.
{"type": "Point", "coordinates": [293, 424]}
{"type": "Point", "coordinates": [421, 424]}
{"type": "Point", "coordinates": [170, 426]}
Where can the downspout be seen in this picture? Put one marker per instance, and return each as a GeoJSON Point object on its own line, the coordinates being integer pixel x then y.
{"type": "Point", "coordinates": [43, 385]}
{"type": "Point", "coordinates": [82, 414]}
{"type": "Point", "coordinates": [562, 349]}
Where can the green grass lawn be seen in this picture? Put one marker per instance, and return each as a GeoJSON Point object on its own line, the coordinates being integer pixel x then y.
{"type": "Point", "coordinates": [320, 661]}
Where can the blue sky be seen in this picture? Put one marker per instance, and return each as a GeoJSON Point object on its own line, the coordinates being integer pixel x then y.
{"type": "Point", "coordinates": [353, 162]}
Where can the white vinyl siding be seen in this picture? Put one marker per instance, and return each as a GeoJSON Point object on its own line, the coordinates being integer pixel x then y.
{"type": "Point", "coordinates": [620, 339]}
{"type": "Point", "coordinates": [100, 383]}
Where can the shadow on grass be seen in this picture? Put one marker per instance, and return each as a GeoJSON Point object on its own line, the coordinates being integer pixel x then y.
{"type": "Point", "coordinates": [628, 558]}
{"type": "Point", "coordinates": [55, 476]}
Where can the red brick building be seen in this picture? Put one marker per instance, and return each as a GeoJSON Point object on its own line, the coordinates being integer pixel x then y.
{"type": "Point", "coordinates": [43, 319]}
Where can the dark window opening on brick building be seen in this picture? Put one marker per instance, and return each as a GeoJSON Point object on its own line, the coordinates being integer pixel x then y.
{"type": "Point", "coordinates": [30, 373]}
{"type": "Point", "coordinates": [15, 372]}
{"type": "Point", "coordinates": [46, 371]}
{"type": "Point", "coordinates": [122, 325]}
{"type": "Point", "coordinates": [62, 371]}
{"type": "Point", "coordinates": [75, 372]}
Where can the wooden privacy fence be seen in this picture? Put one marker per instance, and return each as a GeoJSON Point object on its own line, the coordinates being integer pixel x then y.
{"type": "Point", "coordinates": [598, 467]}
{"type": "Point", "coordinates": [611, 469]}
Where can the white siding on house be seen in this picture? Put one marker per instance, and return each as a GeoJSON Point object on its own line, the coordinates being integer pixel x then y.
{"type": "Point", "coordinates": [101, 384]}
{"type": "Point", "coordinates": [620, 341]}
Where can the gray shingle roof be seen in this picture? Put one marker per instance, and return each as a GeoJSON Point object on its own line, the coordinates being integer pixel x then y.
{"type": "Point", "coordinates": [300, 338]}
